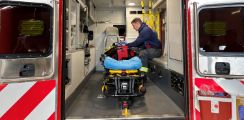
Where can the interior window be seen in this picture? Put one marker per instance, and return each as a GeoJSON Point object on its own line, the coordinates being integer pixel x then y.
{"type": "Point", "coordinates": [221, 29]}
{"type": "Point", "coordinates": [25, 30]}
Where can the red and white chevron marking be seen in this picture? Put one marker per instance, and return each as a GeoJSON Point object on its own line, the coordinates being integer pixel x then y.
{"type": "Point", "coordinates": [29, 100]}
{"type": "Point", "coordinates": [205, 85]}
{"type": "Point", "coordinates": [232, 87]}
{"type": "Point", "coordinates": [242, 82]}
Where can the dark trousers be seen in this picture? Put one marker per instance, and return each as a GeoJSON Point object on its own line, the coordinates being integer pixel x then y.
{"type": "Point", "coordinates": [148, 54]}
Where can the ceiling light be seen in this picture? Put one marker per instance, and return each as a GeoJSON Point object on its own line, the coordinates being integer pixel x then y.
{"type": "Point", "coordinates": [131, 4]}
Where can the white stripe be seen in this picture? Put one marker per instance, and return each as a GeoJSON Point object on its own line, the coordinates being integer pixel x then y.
{"type": "Point", "coordinates": [233, 87]}
{"type": "Point", "coordinates": [45, 109]}
{"type": "Point", "coordinates": [11, 94]}
{"type": "Point", "coordinates": [215, 99]}
{"type": "Point", "coordinates": [195, 99]}
{"type": "Point", "coordinates": [196, 88]}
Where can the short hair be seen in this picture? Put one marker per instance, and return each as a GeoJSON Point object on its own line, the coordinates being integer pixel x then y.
{"type": "Point", "coordinates": [135, 20]}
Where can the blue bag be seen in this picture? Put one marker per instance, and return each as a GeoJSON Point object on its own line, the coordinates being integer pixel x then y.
{"type": "Point", "coordinates": [131, 64]}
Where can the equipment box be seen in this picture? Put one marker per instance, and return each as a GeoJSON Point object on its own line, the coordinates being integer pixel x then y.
{"type": "Point", "coordinates": [215, 107]}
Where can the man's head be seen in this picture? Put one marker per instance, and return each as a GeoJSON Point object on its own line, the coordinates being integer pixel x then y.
{"type": "Point", "coordinates": [136, 23]}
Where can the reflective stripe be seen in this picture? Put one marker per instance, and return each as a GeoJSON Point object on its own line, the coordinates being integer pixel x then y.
{"type": "Point", "coordinates": [242, 82]}
{"type": "Point", "coordinates": [28, 102]}
{"type": "Point", "coordinates": [42, 112]}
{"type": "Point", "coordinates": [208, 85]}
{"type": "Point", "coordinates": [233, 87]}
{"type": "Point", "coordinates": [10, 94]}
{"type": "Point", "coordinates": [52, 117]}
{"type": "Point", "coordinates": [2, 86]}
{"type": "Point", "coordinates": [198, 116]}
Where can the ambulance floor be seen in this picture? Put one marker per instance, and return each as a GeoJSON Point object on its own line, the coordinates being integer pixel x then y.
{"type": "Point", "coordinates": [90, 104]}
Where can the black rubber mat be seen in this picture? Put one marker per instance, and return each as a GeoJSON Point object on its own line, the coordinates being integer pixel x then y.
{"type": "Point", "coordinates": [90, 104]}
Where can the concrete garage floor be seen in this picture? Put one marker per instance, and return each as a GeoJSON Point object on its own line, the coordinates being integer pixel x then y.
{"type": "Point", "coordinates": [90, 105]}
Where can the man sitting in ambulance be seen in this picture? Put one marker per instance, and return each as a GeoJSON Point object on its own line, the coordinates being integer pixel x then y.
{"type": "Point", "coordinates": [147, 40]}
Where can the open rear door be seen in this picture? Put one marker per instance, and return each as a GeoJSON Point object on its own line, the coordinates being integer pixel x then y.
{"type": "Point", "coordinates": [28, 60]}
{"type": "Point", "coordinates": [216, 47]}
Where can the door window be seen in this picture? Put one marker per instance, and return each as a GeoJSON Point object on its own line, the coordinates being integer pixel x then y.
{"type": "Point", "coordinates": [221, 29]}
{"type": "Point", "coordinates": [25, 30]}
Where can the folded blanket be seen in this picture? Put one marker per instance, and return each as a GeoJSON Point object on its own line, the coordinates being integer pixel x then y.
{"type": "Point", "coordinates": [131, 64]}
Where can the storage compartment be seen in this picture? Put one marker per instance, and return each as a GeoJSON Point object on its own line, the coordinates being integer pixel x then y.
{"type": "Point", "coordinates": [240, 108]}
{"type": "Point", "coordinates": [215, 107]}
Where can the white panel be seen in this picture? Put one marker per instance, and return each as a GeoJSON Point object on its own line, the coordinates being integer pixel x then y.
{"type": "Point", "coordinates": [175, 66]}
{"type": "Point", "coordinates": [76, 71]}
{"type": "Point", "coordinates": [207, 64]}
{"type": "Point", "coordinates": [174, 11]}
{"type": "Point", "coordinates": [72, 10]}
{"type": "Point", "coordinates": [227, 85]}
{"type": "Point", "coordinates": [162, 60]}
{"type": "Point", "coordinates": [114, 16]}
{"type": "Point", "coordinates": [91, 10]}
{"type": "Point", "coordinates": [175, 41]}
{"type": "Point", "coordinates": [174, 35]}
{"type": "Point", "coordinates": [131, 34]}
{"type": "Point", "coordinates": [101, 3]}
{"type": "Point", "coordinates": [93, 59]}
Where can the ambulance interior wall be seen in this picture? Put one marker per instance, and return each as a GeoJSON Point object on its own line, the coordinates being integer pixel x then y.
{"type": "Point", "coordinates": [112, 16]}
{"type": "Point", "coordinates": [174, 35]}
{"type": "Point", "coordinates": [131, 34]}
{"type": "Point", "coordinates": [77, 70]}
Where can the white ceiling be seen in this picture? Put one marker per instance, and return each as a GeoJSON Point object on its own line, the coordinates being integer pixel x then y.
{"type": "Point", "coordinates": [109, 3]}
{"type": "Point", "coordinates": [117, 3]}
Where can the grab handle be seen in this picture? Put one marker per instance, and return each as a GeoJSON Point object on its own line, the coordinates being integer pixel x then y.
{"type": "Point", "coordinates": [27, 70]}
{"type": "Point", "coordinates": [222, 68]}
